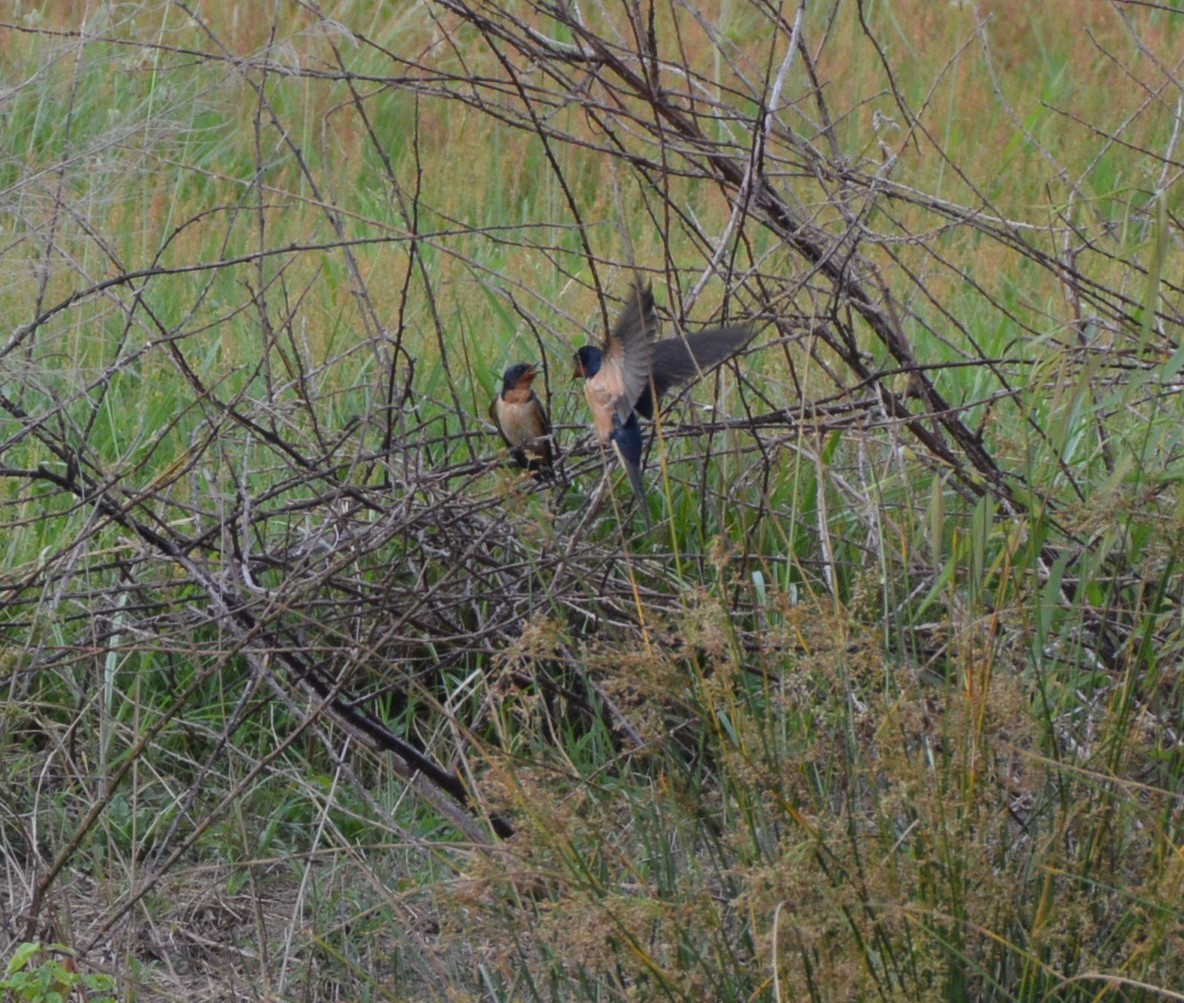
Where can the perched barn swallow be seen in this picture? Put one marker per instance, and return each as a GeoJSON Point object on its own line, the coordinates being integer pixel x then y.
{"type": "Point", "coordinates": [626, 377]}
{"type": "Point", "coordinates": [522, 420]}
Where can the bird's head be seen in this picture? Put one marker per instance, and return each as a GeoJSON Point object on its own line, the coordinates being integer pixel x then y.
{"type": "Point", "coordinates": [587, 362]}
{"type": "Point", "coordinates": [519, 376]}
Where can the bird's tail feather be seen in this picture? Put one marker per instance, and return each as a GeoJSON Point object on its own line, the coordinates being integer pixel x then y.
{"type": "Point", "coordinates": [633, 470]}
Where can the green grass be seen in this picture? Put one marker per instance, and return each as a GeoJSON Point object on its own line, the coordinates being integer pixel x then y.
{"type": "Point", "coordinates": [852, 721]}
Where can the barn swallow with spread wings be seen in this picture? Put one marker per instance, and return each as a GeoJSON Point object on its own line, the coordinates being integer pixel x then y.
{"type": "Point", "coordinates": [626, 377]}
{"type": "Point", "coordinates": [522, 420]}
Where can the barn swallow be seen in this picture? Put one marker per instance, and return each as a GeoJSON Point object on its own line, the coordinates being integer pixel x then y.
{"type": "Point", "coordinates": [615, 378]}
{"type": "Point", "coordinates": [626, 377]}
{"type": "Point", "coordinates": [522, 420]}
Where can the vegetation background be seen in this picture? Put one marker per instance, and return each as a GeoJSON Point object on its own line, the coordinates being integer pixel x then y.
{"type": "Point", "coordinates": [308, 694]}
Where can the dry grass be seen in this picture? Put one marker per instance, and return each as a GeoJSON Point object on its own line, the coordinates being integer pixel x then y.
{"type": "Point", "coordinates": [308, 695]}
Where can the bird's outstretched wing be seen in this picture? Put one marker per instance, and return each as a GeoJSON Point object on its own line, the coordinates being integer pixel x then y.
{"type": "Point", "coordinates": [628, 352]}
{"type": "Point", "coordinates": [675, 360]}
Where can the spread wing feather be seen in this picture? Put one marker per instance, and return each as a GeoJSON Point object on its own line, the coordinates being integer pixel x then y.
{"type": "Point", "coordinates": [628, 352]}
{"type": "Point", "coordinates": [676, 360]}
